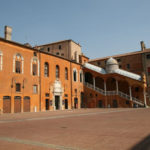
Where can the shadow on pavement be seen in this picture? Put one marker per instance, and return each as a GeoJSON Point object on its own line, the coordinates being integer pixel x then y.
{"type": "Point", "coordinates": [142, 145]}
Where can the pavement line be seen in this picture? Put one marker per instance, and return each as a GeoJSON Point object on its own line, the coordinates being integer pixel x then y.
{"type": "Point", "coordinates": [36, 143]}
{"type": "Point", "coordinates": [66, 116]}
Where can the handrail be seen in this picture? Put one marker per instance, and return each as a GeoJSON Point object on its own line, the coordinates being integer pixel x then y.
{"type": "Point", "coordinates": [119, 93]}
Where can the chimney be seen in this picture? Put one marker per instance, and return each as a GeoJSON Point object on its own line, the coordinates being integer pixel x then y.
{"type": "Point", "coordinates": [143, 46]}
{"type": "Point", "coordinates": [8, 31]}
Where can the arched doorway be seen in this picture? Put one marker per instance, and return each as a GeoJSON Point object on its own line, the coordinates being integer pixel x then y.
{"type": "Point", "coordinates": [89, 78]}
{"type": "Point", "coordinates": [115, 103]}
{"type": "Point", "coordinates": [111, 84]}
{"type": "Point", "coordinates": [99, 82]}
{"type": "Point", "coordinates": [100, 104]}
{"type": "Point", "coordinates": [6, 104]}
{"type": "Point", "coordinates": [123, 86]}
{"type": "Point", "coordinates": [75, 102]}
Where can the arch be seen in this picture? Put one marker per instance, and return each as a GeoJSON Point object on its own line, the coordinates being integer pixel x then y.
{"type": "Point", "coordinates": [1, 60]}
{"type": "Point", "coordinates": [18, 63]}
{"type": "Point", "coordinates": [35, 66]}
{"type": "Point", "coordinates": [75, 76]}
{"type": "Point", "coordinates": [89, 78]}
{"type": "Point", "coordinates": [46, 69]}
{"type": "Point", "coordinates": [111, 84]}
{"type": "Point", "coordinates": [57, 71]}
{"type": "Point", "coordinates": [123, 86]}
{"type": "Point", "coordinates": [99, 82]}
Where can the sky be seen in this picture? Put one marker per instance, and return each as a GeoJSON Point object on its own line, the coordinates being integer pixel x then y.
{"type": "Point", "coordinates": [101, 27]}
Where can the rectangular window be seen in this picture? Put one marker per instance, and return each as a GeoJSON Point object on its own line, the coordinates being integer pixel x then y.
{"type": "Point", "coordinates": [48, 49]}
{"type": "Point", "coordinates": [118, 59]}
{"type": "Point", "coordinates": [18, 67]}
{"type": "Point", "coordinates": [98, 63]}
{"type": "Point", "coordinates": [34, 69]}
{"type": "Point", "coordinates": [46, 94]}
{"type": "Point", "coordinates": [35, 89]}
{"type": "Point", "coordinates": [136, 89]}
{"type": "Point", "coordinates": [18, 87]}
{"type": "Point", "coordinates": [59, 46]}
{"type": "Point", "coordinates": [35, 53]}
{"type": "Point", "coordinates": [148, 56]}
{"type": "Point", "coordinates": [128, 66]}
{"type": "Point", "coordinates": [148, 70]}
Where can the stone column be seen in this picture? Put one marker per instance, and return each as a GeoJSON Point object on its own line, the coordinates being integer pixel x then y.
{"type": "Point", "coordinates": [144, 94]}
{"type": "Point", "coordinates": [94, 82]}
{"type": "Point", "coordinates": [130, 92]}
{"type": "Point", "coordinates": [105, 88]}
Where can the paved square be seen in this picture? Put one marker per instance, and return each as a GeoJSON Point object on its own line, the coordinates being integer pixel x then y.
{"type": "Point", "coordinates": [84, 129]}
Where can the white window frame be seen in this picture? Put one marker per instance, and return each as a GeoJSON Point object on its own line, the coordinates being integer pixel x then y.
{"type": "Point", "coordinates": [22, 63]}
{"type": "Point", "coordinates": [1, 61]}
{"type": "Point", "coordinates": [38, 65]}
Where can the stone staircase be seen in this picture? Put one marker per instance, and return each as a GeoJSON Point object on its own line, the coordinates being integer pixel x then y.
{"type": "Point", "coordinates": [119, 93]}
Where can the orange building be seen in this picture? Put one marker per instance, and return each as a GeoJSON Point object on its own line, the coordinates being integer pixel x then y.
{"type": "Point", "coordinates": [32, 79]}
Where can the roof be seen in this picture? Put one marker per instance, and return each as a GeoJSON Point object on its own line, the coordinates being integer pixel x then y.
{"type": "Point", "coordinates": [128, 74]}
{"type": "Point", "coordinates": [117, 71]}
{"type": "Point", "coordinates": [94, 68]}
{"type": "Point", "coordinates": [121, 55]}
{"type": "Point", "coordinates": [34, 49]}
{"type": "Point", "coordinates": [58, 42]}
{"type": "Point", "coordinates": [111, 61]}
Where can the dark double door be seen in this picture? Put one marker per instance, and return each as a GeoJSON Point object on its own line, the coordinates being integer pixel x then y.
{"type": "Point", "coordinates": [57, 102]}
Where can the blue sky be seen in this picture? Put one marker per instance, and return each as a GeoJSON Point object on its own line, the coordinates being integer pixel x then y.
{"type": "Point", "coordinates": [102, 27]}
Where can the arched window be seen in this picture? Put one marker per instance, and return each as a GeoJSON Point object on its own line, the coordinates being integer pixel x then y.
{"type": "Point", "coordinates": [18, 63]}
{"type": "Point", "coordinates": [75, 75]}
{"type": "Point", "coordinates": [46, 69]}
{"type": "Point", "coordinates": [81, 76]}
{"type": "Point", "coordinates": [66, 73]}
{"type": "Point", "coordinates": [57, 71]}
{"type": "Point", "coordinates": [1, 60]}
{"type": "Point", "coordinates": [34, 66]}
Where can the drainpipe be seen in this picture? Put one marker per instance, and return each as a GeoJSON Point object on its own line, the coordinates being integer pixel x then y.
{"type": "Point", "coordinates": [71, 81]}
{"type": "Point", "coordinates": [40, 81]}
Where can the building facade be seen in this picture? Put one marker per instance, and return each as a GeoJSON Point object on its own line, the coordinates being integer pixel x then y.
{"type": "Point", "coordinates": [35, 79]}
{"type": "Point", "coordinates": [136, 62]}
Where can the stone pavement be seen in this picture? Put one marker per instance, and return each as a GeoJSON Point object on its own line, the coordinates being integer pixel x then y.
{"type": "Point", "coordinates": [84, 129]}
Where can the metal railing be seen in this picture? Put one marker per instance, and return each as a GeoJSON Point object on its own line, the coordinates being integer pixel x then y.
{"type": "Point", "coordinates": [109, 93]}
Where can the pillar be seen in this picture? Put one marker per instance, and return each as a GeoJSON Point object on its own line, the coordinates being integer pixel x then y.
{"type": "Point", "coordinates": [144, 94]}
{"type": "Point", "coordinates": [130, 92]}
{"type": "Point", "coordinates": [105, 87]}
{"type": "Point", "coordinates": [117, 87]}
{"type": "Point", "coordinates": [94, 82]}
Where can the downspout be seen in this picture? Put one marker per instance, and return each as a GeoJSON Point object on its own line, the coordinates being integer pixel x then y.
{"type": "Point", "coordinates": [40, 81]}
{"type": "Point", "coordinates": [71, 81]}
